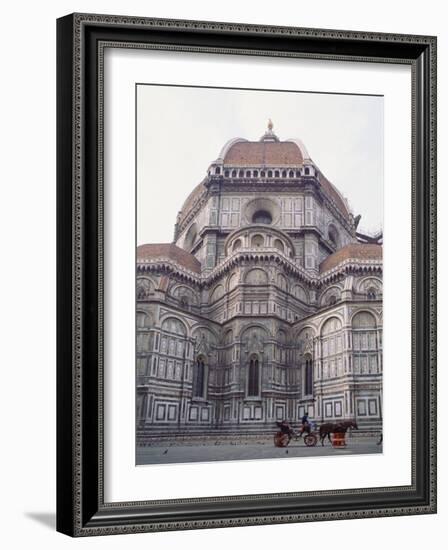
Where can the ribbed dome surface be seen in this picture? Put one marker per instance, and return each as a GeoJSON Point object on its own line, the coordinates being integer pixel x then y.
{"type": "Point", "coordinates": [353, 251]}
{"type": "Point", "coordinates": [263, 153]}
{"type": "Point", "coordinates": [169, 251]}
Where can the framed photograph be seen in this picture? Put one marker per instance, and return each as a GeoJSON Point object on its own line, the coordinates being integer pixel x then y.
{"type": "Point", "coordinates": [246, 274]}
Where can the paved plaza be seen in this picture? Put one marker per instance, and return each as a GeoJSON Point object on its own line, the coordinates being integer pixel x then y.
{"type": "Point", "coordinates": [169, 454]}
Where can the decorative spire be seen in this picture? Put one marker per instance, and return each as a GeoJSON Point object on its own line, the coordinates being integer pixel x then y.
{"type": "Point", "coordinates": [269, 134]}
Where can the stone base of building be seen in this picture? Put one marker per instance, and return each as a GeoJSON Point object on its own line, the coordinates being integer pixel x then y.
{"type": "Point", "coordinates": [225, 435]}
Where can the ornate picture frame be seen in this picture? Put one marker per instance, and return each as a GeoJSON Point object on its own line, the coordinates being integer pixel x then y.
{"type": "Point", "coordinates": [81, 506]}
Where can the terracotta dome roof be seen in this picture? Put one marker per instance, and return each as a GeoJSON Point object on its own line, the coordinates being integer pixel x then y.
{"type": "Point", "coordinates": [263, 153]}
{"type": "Point", "coordinates": [168, 251]}
{"type": "Point", "coordinates": [352, 251]}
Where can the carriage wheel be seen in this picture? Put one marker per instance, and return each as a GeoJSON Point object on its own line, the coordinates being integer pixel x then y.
{"type": "Point", "coordinates": [310, 440]}
{"type": "Point", "coordinates": [281, 440]}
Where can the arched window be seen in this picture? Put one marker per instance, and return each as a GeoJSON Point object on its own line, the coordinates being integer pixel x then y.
{"type": "Point", "coordinates": [232, 281]}
{"type": "Point", "coordinates": [332, 348]}
{"type": "Point", "coordinates": [262, 216]}
{"type": "Point", "coordinates": [233, 173]}
{"type": "Point", "coordinates": [184, 302]}
{"type": "Point", "coordinates": [247, 173]}
{"type": "Point", "coordinates": [291, 174]}
{"type": "Point", "coordinates": [282, 283]}
{"type": "Point", "coordinates": [308, 375]}
{"type": "Point", "coordinates": [278, 244]}
{"type": "Point", "coordinates": [174, 326]}
{"type": "Point", "coordinates": [300, 293]}
{"type": "Point", "coordinates": [257, 240]}
{"type": "Point", "coordinates": [256, 276]}
{"type": "Point", "coordinates": [333, 236]}
{"type": "Point", "coordinates": [237, 244]}
{"type": "Point", "coordinates": [141, 293]}
{"type": "Point", "coordinates": [371, 294]}
{"type": "Point", "coordinates": [144, 288]}
{"type": "Point", "coordinates": [191, 237]}
{"type": "Point", "coordinates": [226, 173]}
{"type": "Point", "coordinates": [269, 173]}
{"type": "Point", "coordinates": [199, 378]}
{"type": "Point", "coordinates": [216, 293]}
{"type": "Point", "coordinates": [284, 174]}
{"type": "Point", "coordinates": [253, 386]}
{"type": "Point", "coordinates": [241, 173]}
{"type": "Point", "coordinates": [277, 173]}
{"type": "Point", "coordinates": [255, 173]}
{"type": "Point", "coordinates": [217, 170]}
{"type": "Point", "coordinates": [363, 320]}
{"type": "Point", "coordinates": [365, 344]}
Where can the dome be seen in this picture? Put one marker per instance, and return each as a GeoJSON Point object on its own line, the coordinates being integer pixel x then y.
{"type": "Point", "coordinates": [264, 153]}
{"type": "Point", "coordinates": [352, 251]}
{"type": "Point", "coordinates": [269, 151]}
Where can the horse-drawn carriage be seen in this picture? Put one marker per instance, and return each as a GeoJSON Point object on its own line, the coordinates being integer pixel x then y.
{"type": "Point", "coordinates": [283, 437]}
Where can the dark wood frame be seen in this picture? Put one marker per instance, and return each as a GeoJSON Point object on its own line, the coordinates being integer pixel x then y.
{"type": "Point", "coordinates": [81, 510]}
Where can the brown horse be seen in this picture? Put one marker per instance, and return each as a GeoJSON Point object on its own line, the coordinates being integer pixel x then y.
{"type": "Point", "coordinates": [331, 427]}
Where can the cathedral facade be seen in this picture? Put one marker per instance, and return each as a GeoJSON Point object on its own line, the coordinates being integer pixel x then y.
{"type": "Point", "coordinates": [266, 305]}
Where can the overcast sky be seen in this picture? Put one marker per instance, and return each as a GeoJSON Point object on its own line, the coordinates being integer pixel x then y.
{"type": "Point", "coordinates": [181, 130]}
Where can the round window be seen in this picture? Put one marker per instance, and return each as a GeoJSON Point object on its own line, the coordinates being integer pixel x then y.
{"type": "Point", "coordinates": [262, 216]}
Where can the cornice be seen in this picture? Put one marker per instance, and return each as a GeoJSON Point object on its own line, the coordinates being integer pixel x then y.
{"type": "Point", "coordinates": [261, 257]}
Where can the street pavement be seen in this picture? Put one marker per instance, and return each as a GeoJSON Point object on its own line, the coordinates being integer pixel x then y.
{"type": "Point", "coordinates": [223, 451]}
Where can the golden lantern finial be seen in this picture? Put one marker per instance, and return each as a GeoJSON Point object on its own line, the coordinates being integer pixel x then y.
{"type": "Point", "coordinates": [270, 125]}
